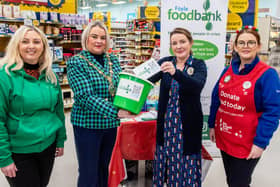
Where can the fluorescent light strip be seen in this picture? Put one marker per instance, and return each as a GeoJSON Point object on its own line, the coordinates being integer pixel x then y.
{"type": "Point", "coordinates": [85, 7]}
{"type": "Point", "coordinates": [118, 2]}
{"type": "Point", "coordinates": [101, 5]}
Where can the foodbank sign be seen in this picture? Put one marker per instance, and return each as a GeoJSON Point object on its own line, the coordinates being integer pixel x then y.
{"type": "Point", "coordinates": [202, 49]}
{"type": "Point", "coordinates": [195, 15]}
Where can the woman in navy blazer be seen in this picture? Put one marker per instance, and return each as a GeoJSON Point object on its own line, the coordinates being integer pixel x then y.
{"type": "Point", "coordinates": [180, 119]}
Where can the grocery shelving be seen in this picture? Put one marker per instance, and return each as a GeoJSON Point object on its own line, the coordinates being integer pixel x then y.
{"type": "Point", "coordinates": [140, 37]}
{"type": "Point", "coordinates": [269, 29]}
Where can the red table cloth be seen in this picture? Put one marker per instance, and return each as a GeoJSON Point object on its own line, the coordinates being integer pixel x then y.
{"type": "Point", "coordinates": [135, 141]}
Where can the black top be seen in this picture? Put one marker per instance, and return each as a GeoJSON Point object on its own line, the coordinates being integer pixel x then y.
{"type": "Point", "coordinates": [99, 58]}
{"type": "Point", "coordinates": [31, 66]}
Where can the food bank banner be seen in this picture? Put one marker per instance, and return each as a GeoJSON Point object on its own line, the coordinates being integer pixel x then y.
{"type": "Point", "coordinates": [206, 20]}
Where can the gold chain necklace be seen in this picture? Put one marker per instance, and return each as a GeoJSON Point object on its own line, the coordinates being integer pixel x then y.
{"type": "Point", "coordinates": [112, 89]}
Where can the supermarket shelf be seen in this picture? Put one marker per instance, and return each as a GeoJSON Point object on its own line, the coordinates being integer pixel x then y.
{"type": "Point", "coordinates": [118, 33]}
{"type": "Point", "coordinates": [15, 20]}
{"type": "Point", "coordinates": [5, 35]}
{"type": "Point", "coordinates": [144, 32]}
{"type": "Point", "coordinates": [54, 36]}
{"type": "Point", "coordinates": [21, 20]}
{"type": "Point", "coordinates": [69, 42]}
{"type": "Point", "coordinates": [124, 41]}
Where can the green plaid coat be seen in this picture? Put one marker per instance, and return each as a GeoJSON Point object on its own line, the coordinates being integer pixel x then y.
{"type": "Point", "coordinates": [93, 105]}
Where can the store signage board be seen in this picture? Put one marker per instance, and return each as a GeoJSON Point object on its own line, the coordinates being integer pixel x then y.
{"type": "Point", "coordinates": [209, 34]}
{"type": "Point", "coordinates": [59, 6]}
{"type": "Point", "coordinates": [131, 16]}
{"type": "Point", "coordinates": [149, 12]}
{"type": "Point", "coordinates": [49, 3]}
{"type": "Point", "coordinates": [242, 12]}
{"type": "Point", "coordinates": [29, 2]}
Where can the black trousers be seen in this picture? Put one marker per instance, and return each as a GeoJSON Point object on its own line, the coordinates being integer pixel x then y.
{"type": "Point", "coordinates": [238, 171]}
{"type": "Point", "coordinates": [94, 149]}
{"type": "Point", "coordinates": [34, 169]}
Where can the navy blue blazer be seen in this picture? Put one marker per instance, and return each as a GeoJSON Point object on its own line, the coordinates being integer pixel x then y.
{"type": "Point", "coordinates": [190, 86]}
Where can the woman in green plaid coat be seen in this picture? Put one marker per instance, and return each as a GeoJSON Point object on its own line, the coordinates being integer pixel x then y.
{"type": "Point", "coordinates": [93, 76]}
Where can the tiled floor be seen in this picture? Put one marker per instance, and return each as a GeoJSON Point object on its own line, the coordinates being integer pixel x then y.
{"type": "Point", "coordinates": [267, 173]}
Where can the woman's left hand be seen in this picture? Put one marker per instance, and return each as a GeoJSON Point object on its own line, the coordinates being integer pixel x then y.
{"type": "Point", "coordinates": [256, 152]}
{"type": "Point", "coordinates": [59, 151]}
{"type": "Point", "coordinates": [126, 114]}
{"type": "Point", "coordinates": [168, 67]}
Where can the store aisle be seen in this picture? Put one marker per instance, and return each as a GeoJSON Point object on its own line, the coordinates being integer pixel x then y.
{"type": "Point", "coordinates": [266, 174]}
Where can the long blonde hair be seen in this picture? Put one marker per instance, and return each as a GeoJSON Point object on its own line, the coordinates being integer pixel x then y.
{"type": "Point", "coordinates": [13, 56]}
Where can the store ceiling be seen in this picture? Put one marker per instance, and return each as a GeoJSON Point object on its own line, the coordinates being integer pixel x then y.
{"type": "Point", "coordinates": [91, 4]}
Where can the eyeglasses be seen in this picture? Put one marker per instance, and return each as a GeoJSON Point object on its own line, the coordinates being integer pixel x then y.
{"type": "Point", "coordinates": [250, 44]}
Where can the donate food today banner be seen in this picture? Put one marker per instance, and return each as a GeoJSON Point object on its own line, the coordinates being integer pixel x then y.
{"type": "Point", "coordinates": [206, 20]}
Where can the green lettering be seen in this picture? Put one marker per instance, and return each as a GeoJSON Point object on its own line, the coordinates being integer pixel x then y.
{"type": "Point", "coordinates": [169, 12]}
{"type": "Point", "coordinates": [197, 15]}
{"type": "Point", "coordinates": [183, 16]}
{"type": "Point", "coordinates": [190, 15]}
{"type": "Point", "coordinates": [175, 15]}
{"type": "Point", "coordinates": [218, 16]}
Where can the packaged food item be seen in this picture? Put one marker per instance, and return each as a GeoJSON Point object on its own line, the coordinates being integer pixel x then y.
{"type": "Point", "coordinates": [58, 53]}
{"type": "Point", "coordinates": [7, 11]}
{"type": "Point", "coordinates": [44, 16]}
{"type": "Point", "coordinates": [12, 28]}
{"type": "Point", "coordinates": [3, 28]}
{"type": "Point", "coordinates": [48, 29]}
{"type": "Point", "coordinates": [16, 11]}
{"type": "Point", "coordinates": [42, 28]}
{"type": "Point", "coordinates": [53, 16]}
{"type": "Point", "coordinates": [55, 30]}
{"type": "Point", "coordinates": [1, 10]}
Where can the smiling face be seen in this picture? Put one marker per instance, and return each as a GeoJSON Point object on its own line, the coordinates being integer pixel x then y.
{"type": "Point", "coordinates": [31, 47]}
{"type": "Point", "coordinates": [180, 45]}
{"type": "Point", "coordinates": [96, 42]}
{"type": "Point", "coordinates": [247, 47]}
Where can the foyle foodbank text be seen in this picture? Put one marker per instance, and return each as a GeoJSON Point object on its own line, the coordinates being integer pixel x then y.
{"type": "Point", "coordinates": [194, 15]}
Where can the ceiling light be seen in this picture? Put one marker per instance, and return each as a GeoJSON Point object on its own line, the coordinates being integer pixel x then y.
{"type": "Point", "coordinates": [101, 5]}
{"type": "Point", "coordinates": [118, 2]}
{"type": "Point", "coordinates": [85, 7]}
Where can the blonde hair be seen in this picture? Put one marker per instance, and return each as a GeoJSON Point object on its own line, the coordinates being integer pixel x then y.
{"type": "Point", "coordinates": [87, 30]}
{"type": "Point", "coordinates": [13, 56]}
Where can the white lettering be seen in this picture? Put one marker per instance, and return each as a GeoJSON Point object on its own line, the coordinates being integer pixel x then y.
{"type": "Point", "coordinates": [230, 96]}
{"type": "Point", "coordinates": [234, 106]}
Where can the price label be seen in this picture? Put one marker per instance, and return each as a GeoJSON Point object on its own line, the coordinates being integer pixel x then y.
{"type": "Point", "coordinates": [79, 27]}
{"type": "Point", "coordinates": [28, 22]}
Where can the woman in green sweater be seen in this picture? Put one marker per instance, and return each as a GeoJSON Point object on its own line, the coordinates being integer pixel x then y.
{"type": "Point", "coordinates": [32, 128]}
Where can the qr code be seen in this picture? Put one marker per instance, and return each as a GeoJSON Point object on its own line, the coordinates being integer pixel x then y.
{"type": "Point", "coordinates": [136, 90]}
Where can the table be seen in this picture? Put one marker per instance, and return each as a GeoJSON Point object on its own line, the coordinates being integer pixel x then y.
{"type": "Point", "coordinates": [135, 141]}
